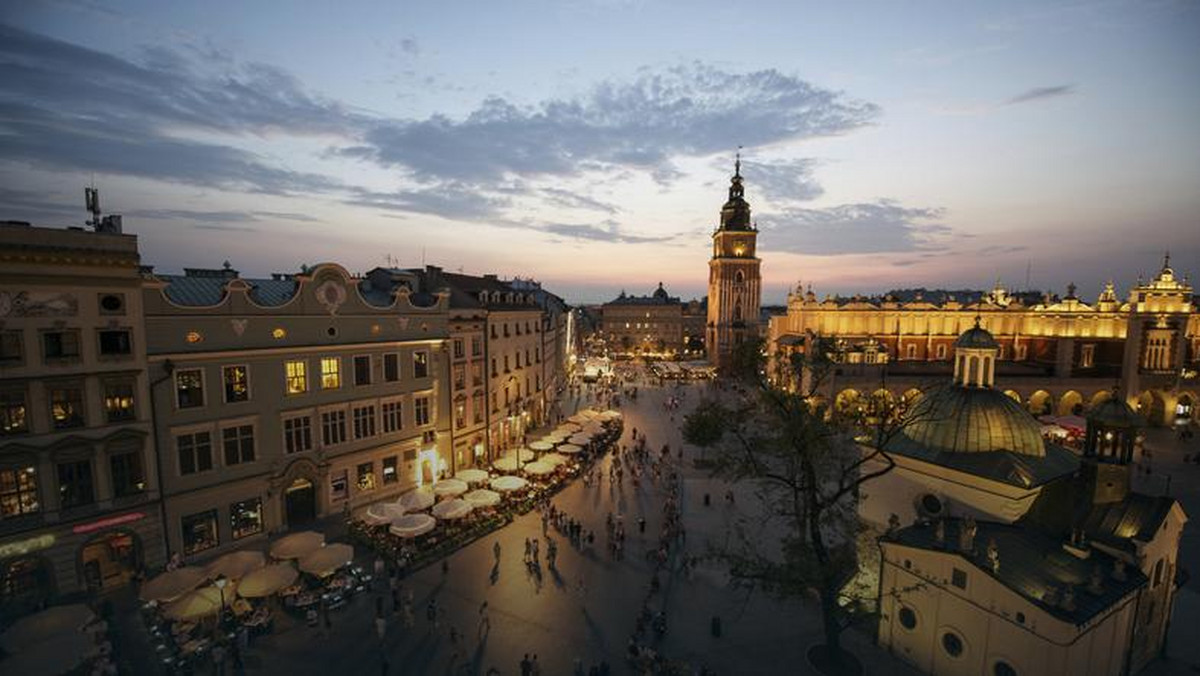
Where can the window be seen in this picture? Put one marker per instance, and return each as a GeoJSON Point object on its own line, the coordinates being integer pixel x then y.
{"type": "Point", "coordinates": [195, 452]}
{"type": "Point", "coordinates": [339, 486]}
{"type": "Point", "coordinates": [118, 401]}
{"type": "Point", "coordinates": [296, 376]}
{"type": "Point", "coordinates": [392, 420]}
{"type": "Point", "coordinates": [1002, 668]}
{"type": "Point", "coordinates": [477, 407]}
{"type": "Point", "coordinates": [366, 477]}
{"type": "Point", "coordinates": [458, 348]}
{"type": "Point", "coordinates": [127, 475]}
{"type": "Point", "coordinates": [297, 434]}
{"type": "Point", "coordinates": [477, 374]}
{"type": "Point", "coordinates": [112, 304]}
{"type": "Point", "coordinates": [12, 349]}
{"type": "Point", "coordinates": [391, 367]}
{"type": "Point", "coordinates": [60, 344]}
{"type": "Point", "coordinates": [537, 379]}
{"type": "Point", "coordinates": [460, 415]}
{"type": "Point", "coordinates": [389, 470]}
{"type": "Point", "coordinates": [958, 578]}
{"type": "Point", "coordinates": [115, 343]}
{"type": "Point", "coordinates": [421, 410]}
{"type": "Point", "coordinates": [537, 355]}
{"type": "Point", "coordinates": [908, 618]}
{"type": "Point", "coordinates": [362, 370]}
{"type": "Point", "coordinates": [1020, 352]}
{"type": "Point", "coordinates": [238, 442]}
{"type": "Point", "coordinates": [1158, 573]}
{"type": "Point", "coordinates": [75, 483]}
{"type": "Point", "coordinates": [1087, 356]}
{"type": "Point", "coordinates": [200, 531]}
{"type": "Point", "coordinates": [460, 376]}
{"type": "Point", "coordinates": [331, 373]}
{"type": "Point", "coordinates": [421, 364]}
{"type": "Point", "coordinates": [493, 367]}
{"type": "Point", "coordinates": [941, 351]}
{"type": "Point", "coordinates": [18, 491]}
{"type": "Point", "coordinates": [66, 406]}
{"type": "Point", "coordinates": [189, 388]}
{"type": "Point", "coordinates": [506, 369]}
{"type": "Point", "coordinates": [476, 346]}
{"type": "Point", "coordinates": [364, 421]}
{"type": "Point", "coordinates": [237, 383]}
{"type": "Point", "coordinates": [333, 428]}
{"type": "Point", "coordinates": [1020, 618]}
{"type": "Point", "coordinates": [245, 518]}
{"type": "Point", "coordinates": [518, 359]}
{"type": "Point", "coordinates": [952, 644]}
{"type": "Point", "coordinates": [911, 351]}
{"type": "Point", "coordinates": [13, 418]}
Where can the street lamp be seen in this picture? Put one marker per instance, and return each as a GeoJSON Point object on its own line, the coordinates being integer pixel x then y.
{"type": "Point", "coordinates": [220, 583]}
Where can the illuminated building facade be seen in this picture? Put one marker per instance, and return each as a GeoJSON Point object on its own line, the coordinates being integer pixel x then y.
{"type": "Point", "coordinates": [1060, 356]}
{"type": "Point", "coordinates": [734, 277]}
{"type": "Point", "coordinates": [644, 325]}
{"type": "Point", "coordinates": [285, 399]}
{"type": "Point", "coordinates": [79, 492]}
{"type": "Point", "coordinates": [1006, 554]}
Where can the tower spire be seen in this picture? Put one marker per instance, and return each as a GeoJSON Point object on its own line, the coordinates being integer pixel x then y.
{"type": "Point", "coordinates": [737, 163]}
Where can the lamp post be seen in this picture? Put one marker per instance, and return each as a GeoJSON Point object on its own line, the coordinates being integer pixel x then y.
{"type": "Point", "coordinates": [220, 583]}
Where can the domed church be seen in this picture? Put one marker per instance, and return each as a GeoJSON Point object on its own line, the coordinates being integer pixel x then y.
{"type": "Point", "coordinates": [1003, 553]}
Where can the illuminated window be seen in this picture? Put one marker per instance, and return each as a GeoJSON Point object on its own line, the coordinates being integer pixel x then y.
{"type": "Point", "coordinates": [237, 383]}
{"type": "Point", "coordinates": [1087, 356]}
{"type": "Point", "coordinates": [296, 375]}
{"type": "Point", "coordinates": [18, 491]}
{"type": "Point", "coordinates": [331, 373]}
{"type": "Point", "coordinates": [200, 531]}
{"type": "Point", "coordinates": [118, 401]}
{"type": "Point", "coordinates": [366, 476]}
{"type": "Point", "coordinates": [13, 414]}
{"type": "Point", "coordinates": [390, 476]}
{"type": "Point", "coordinates": [245, 518]}
{"type": "Point", "coordinates": [420, 364]}
{"type": "Point", "coordinates": [66, 406]}
{"type": "Point", "coordinates": [189, 388]}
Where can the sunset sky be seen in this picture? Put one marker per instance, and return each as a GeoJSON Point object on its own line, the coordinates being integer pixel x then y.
{"type": "Point", "coordinates": [588, 143]}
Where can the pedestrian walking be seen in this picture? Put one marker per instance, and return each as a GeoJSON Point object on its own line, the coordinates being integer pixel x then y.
{"type": "Point", "coordinates": [484, 619]}
{"type": "Point", "coordinates": [526, 665]}
{"type": "Point", "coordinates": [496, 551]}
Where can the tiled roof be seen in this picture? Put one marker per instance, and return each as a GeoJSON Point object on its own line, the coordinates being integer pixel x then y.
{"type": "Point", "coordinates": [205, 291]}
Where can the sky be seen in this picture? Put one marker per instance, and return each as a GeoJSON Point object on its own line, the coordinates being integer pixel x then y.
{"type": "Point", "coordinates": [589, 143]}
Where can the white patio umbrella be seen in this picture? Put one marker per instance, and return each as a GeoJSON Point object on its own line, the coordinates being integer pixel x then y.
{"type": "Point", "coordinates": [541, 446]}
{"type": "Point", "coordinates": [200, 603]}
{"type": "Point", "coordinates": [553, 459]}
{"type": "Point", "coordinates": [570, 449]}
{"type": "Point", "coordinates": [382, 512]}
{"type": "Point", "coordinates": [589, 413]}
{"type": "Point", "coordinates": [450, 487]}
{"type": "Point", "coordinates": [173, 584]}
{"type": "Point", "coordinates": [417, 500]}
{"type": "Point", "coordinates": [578, 418]}
{"type": "Point", "coordinates": [268, 580]}
{"type": "Point", "coordinates": [481, 497]}
{"type": "Point", "coordinates": [610, 414]}
{"type": "Point", "coordinates": [296, 545]}
{"type": "Point", "coordinates": [45, 625]}
{"type": "Point", "coordinates": [236, 565]}
{"type": "Point", "coordinates": [324, 561]}
{"type": "Point", "coordinates": [569, 427]}
{"type": "Point", "coordinates": [539, 468]}
{"type": "Point", "coordinates": [412, 525]}
{"type": "Point", "coordinates": [58, 654]}
{"type": "Point", "coordinates": [581, 439]}
{"type": "Point", "coordinates": [472, 476]}
{"type": "Point", "coordinates": [506, 464]}
{"type": "Point", "coordinates": [452, 509]}
{"type": "Point", "coordinates": [505, 484]}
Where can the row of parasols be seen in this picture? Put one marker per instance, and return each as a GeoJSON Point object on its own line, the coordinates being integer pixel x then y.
{"type": "Point", "coordinates": [406, 517]}
{"type": "Point", "coordinates": [570, 438]}
{"type": "Point", "coordinates": [245, 574]}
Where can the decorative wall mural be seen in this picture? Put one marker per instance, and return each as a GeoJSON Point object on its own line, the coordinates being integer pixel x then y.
{"type": "Point", "coordinates": [38, 304]}
{"type": "Point", "coordinates": [331, 295]}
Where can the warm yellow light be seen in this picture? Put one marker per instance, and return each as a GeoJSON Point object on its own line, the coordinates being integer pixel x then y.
{"type": "Point", "coordinates": [278, 334]}
{"type": "Point", "coordinates": [194, 337]}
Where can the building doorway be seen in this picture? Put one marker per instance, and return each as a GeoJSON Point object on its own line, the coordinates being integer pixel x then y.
{"type": "Point", "coordinates": [109, 561]}
{"type": "Point", "coordinates": [426, 472]}
{"type": "Point", "coordinates": [300, 502]}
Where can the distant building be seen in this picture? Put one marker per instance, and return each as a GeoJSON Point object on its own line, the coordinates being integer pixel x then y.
{"type": "Point", "coordinates": [644, 325]}
{"type": "Point", "coordinates": [734, 278]}
{"type": "Point", "coordinates": [79, 492]}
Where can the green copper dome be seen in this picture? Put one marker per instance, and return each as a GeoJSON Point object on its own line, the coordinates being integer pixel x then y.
{"type": "Point", "coordinates": [976, 337]}
{"type": "Point", "coordinates": [954, 419]}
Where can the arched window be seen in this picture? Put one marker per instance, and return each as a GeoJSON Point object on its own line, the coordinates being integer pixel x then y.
{"type": "Point", "coordinates": [1158, 572]}
{"type": "Point", "coordinates": [739, 277]}
{"type": "Point", "coordinates": [737, 313]}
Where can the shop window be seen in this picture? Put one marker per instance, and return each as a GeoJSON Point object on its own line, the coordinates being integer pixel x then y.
{"type": "Point", "coordinates": [362, 370]}
{"type": "Point", "coordinates": [237, 383]}
{"type": "Point", "coordinates": [118, 401]}
{"type": "Point", "coordinates": [60, 345]}
{"type": "Point", "coordinates": [12, 348]}
{"type": "Point", "coordinates": [391, 367]}
{"type": "Point", "coordinates": [13, 414]}
{"type": "Point", "coordinates": [390, 475]}
{"type": "Point", "coordinates": [421, 411]}
{"type": "Point", "coordinates": [200, 532]}
{"type": "Point", "coordinates": [238, 443]}
{"type": "Point", "coordinates": [958, 578]}
{"type": "Point", "coordinates": [333, 427]}
{"type": "Point", "coordinates": [364, 422]}
{"type": "Point", "coordinates": [297, 434]}
{"type": "Point", "coordinates": [331, 373]}
{"type": "Point", "coordinates": [245, 518]}
{"type": "Point", "coordinates": [127, 475]}
{"type": "Point", "coordinates": [189, 388]}
{"type": "Point", "coordinates": [366, 477]}
{"type": "Point", "coordinates": [295, 376]}
{"type": "Point", "coordinates": [393, 420]}
{"type": "Point", "coordinates": [339, 486]}
{"type": "Point", "coordinates": [952, 643]}
{"type": "Point", "coordinates": [115, 343]}
{"type": "Point", "coordinates": [911, 351]}
{"type": "Point", "coordinates": [421, 364]}
{"type": "Point", "coordinates": [75, 483]}
{"type": "Point", "coordinates": [25, 584]}
{"type": "Point", "coordinates": [66, 406]}
{"type": "Point", "coordinates": [18, 491]}
{"type": "Point", "coordinates": [195, 452]}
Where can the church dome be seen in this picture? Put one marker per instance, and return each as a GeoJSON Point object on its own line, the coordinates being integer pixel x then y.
{"type": "Point", "coordinates": [977, 338]}
{"type": "Point", "coordinates": [955, 419]}
{"type": "Point", "coordinates": [661, 294]}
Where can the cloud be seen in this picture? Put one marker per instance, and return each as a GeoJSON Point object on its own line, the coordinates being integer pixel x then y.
{"type": "Point", "coordinates": [1041, 93]}
{"type": "Point", "coordinates": [688, 110]}
{"type": "Point", "coordinates": [883, 226]}
{"type": "Point", "coordinates": [452, 200]}
{"type": "Point", "coordinates": [571, 200]}
{"type": "Point", "coordinates": [781, 181]}
{"type": "Point", "coordinates": [609, 232]}
{"type": "Point", "coordinates": [410, 46]}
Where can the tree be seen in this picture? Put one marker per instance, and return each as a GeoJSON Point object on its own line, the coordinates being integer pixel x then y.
{"type": "Point", "coordinates": [809, 464]}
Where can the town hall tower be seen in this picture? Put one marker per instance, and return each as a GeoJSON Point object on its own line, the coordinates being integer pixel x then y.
{"type": "Point", "coordinates": [734, 280]}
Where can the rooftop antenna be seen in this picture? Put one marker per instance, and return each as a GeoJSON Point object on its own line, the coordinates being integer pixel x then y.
{"type": "Point", "coordinates": [422, 257]}
{"type": "Point", "coordinates": [91, 201]}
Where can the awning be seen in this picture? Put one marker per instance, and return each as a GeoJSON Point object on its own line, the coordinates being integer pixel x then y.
{"type": "Point", "coordinates": [200, 603]}
{"type": "Point", "coordinates": [538, 468]}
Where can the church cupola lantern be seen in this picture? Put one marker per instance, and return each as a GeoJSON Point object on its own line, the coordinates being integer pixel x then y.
{"type": "Point", "coordinates": [975, 354]}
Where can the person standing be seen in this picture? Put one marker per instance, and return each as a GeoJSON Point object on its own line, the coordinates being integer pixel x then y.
{"type": "Point", "coordinates": [496, 552]}
{"type": "Point", "coordinates": [484, 619]}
